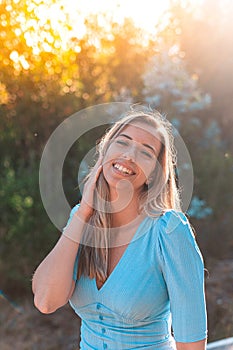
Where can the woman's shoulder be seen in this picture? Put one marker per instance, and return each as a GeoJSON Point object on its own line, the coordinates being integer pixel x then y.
{"type": "Point", "coordinates": [172, 219]}
{"type": "Point", "coordinates": [174, 225]}
{"type": "Point", "coordinates": [176, 235]}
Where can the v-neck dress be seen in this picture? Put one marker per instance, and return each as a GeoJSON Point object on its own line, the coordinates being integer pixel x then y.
{"type": "Point", "coordinates": [158, 283]}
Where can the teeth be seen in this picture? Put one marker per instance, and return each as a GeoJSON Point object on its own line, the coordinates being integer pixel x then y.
{"type": "Point", "coordinates": [123, 169]}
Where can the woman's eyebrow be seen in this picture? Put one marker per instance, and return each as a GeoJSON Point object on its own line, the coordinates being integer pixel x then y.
{"type": "Point", "coordinates": [144, 144]}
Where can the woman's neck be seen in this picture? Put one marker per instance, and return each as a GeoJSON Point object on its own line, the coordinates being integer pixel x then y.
{"type": "Point", "coordinates": [125, 224]}
{"type": "Point", "coordinates": [124, 212]}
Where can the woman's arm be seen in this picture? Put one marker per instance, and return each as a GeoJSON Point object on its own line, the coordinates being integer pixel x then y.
{"type": "Point", "coordinates": [52, 282]}
{"type": "Point", "coordinates": [183, 270]}
{"type": "Point", "coordinates": [198, 345]}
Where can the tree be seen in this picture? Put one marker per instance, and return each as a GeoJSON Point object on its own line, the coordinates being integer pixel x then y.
{"type": "Point", "coordinates": [205, 131]}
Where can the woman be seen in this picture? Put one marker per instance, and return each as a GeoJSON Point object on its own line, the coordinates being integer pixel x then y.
{"type": "Point", "coordinates": [127, 260]}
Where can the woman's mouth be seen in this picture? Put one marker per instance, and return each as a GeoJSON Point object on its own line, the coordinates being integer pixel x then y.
{"type": "Point", "coordinates": [123, 169]}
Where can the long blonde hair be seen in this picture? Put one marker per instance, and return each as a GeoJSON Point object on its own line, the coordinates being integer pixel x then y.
{"type": "Point", "coordinates": [160, 195]}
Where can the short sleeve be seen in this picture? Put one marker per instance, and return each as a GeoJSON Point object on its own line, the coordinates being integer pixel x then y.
{"type": "Point", "coordinates": [182, 266]}
{"type": "Point", "coordinates": [73, 211]}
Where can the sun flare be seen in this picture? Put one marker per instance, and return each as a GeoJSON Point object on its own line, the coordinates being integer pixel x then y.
{"type": "Point", "coordinates": [49, 26]}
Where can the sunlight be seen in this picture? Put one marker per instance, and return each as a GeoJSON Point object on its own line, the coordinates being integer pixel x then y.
{"type": "Point", "coordinates": [49, 26]}
{"type": "Point", "coordinates": [67, 19]}
{"type": "Point", "coordinates": [145, 14]}
{"type": "Point", "coordinates": [19, 60]}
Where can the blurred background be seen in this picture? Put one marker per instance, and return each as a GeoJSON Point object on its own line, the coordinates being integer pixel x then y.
{"type": "Point", "coordinates": [58, 57]}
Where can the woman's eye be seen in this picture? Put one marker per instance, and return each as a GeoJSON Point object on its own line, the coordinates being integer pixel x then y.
{"type": "Point", "coordinates": [147, 154]}
{"type": "Point", "coordinates": [120, 142]}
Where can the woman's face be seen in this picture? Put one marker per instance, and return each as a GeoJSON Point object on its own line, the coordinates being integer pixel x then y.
{"type": "Point", "coordinates": [131, 156]}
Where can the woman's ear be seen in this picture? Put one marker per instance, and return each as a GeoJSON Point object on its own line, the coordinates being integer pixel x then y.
{"type": "Point", "coordinates": [149, 180]}
{"type": "Point", "coordinates": [151, 177]}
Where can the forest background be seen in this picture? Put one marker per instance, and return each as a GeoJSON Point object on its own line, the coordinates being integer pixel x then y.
{"type": "Point", "coordinates": [183, 69]}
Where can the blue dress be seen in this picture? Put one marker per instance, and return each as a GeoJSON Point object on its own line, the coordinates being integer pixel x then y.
{"type": "Point", "coordinates": [158, 282]}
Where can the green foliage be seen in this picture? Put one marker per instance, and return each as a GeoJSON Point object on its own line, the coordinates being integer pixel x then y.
{"type": "Point", "coordinates": [213, 171]}
{"type": "Point", "coordinates": [25, 232]}
{"type": "Point", "coordinates": [169, 86]}
{"type": "Point", "coordinates": [175, 80]}
{"type": "Point", "coordinates": [42, 82]}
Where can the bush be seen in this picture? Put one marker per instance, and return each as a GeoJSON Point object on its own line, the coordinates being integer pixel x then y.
{"type": "Point", "coordinates": [25, 231]}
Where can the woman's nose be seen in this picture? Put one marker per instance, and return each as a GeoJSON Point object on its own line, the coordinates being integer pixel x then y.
{"type": "Point", "coordinates": [131, 153]}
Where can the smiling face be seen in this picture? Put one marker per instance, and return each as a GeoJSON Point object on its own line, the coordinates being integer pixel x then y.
{"type": "Point", "coordinates": [131, 156]}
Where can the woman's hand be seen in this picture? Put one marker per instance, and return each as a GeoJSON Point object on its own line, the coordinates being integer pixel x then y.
{"type": "Point", "coordinates": [198, 345]}
{"type": "Point", "coordinates": [86, 204]}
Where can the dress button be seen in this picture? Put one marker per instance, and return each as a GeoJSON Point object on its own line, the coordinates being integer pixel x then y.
{"type": "Point", "coordinates": [101, 317]}
{"type": "Point", "coordinates": [105, 346]}
{"type": "Point", "coordinates": [103, 330]}
{"type": "Point", "coordinates": [98, 306]}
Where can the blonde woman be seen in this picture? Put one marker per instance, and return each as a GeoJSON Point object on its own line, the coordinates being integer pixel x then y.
{"type": "Point", "coordinates": [127, 260]}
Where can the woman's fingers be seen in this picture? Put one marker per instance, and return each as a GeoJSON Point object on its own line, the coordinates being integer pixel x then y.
{"type": "Point", "coordinates": [89, 188]}
{"type": "Point", "coordinates": [95, 172]}
{"type": "Point", "coordinates": [98, 163]}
